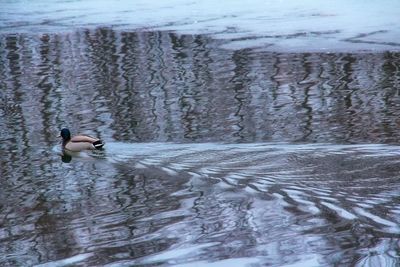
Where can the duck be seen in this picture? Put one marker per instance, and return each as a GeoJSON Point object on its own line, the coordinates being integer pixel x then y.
{"type": "Point", "coordinates": [79, 143]}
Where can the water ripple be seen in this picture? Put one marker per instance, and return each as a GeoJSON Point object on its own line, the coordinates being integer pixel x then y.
{"type": "Point", "coordinates": [212, 156]}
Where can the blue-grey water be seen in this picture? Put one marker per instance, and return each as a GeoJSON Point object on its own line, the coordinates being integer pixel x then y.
{"type": "Point", "coordinates": [264, 134]}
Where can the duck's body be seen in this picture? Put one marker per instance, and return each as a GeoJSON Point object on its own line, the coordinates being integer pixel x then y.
{"type": "Point", "coordinates": [79, 142]}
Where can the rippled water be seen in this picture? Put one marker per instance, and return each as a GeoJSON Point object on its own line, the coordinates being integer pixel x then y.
{"type": "Point", "coordinates": [214, 157]}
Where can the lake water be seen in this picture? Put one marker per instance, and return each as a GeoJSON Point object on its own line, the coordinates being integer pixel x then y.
{"type": "Point", "coordinates": [264, 134]}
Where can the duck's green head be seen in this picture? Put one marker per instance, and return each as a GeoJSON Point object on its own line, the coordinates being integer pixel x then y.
{"type": "Point", "coordinates": [65, 134]}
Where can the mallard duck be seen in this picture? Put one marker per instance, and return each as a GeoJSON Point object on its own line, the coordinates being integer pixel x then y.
{"type": "Point", "coordinates": [79, 142]}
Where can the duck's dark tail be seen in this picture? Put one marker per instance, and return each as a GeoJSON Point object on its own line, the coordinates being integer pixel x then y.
{"type": "Point", "coordinates": [98, 144]}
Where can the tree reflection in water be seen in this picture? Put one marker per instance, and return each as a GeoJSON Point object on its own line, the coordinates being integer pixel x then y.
{"type": "Point", "coordinates": [327, 205]}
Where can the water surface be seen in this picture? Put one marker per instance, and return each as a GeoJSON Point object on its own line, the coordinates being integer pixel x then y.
{"type": "Point", "coordinates": [274, 25]}
{"type": "Point", "coordinates": [214, 156]}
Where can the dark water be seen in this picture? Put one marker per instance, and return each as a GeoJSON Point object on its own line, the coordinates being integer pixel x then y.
{"type": "Point", "coordinates": [213, 157]}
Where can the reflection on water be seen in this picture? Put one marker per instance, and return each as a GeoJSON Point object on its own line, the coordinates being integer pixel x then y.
{"type": "Point", "coordinates": [194, 169]}
{"type": "Point", "coordinates": [164, 87]}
